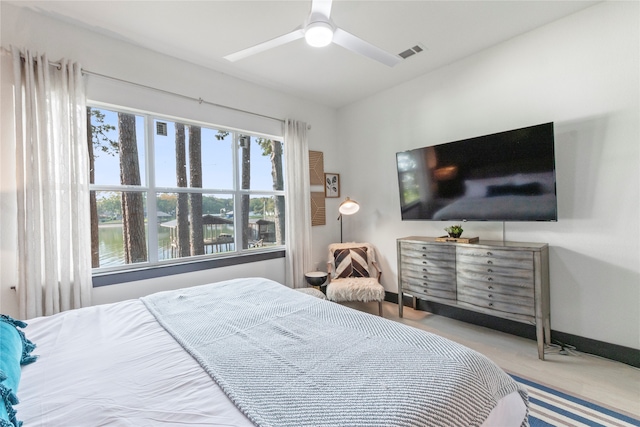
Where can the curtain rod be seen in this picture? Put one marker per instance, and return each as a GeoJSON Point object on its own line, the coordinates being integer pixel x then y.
{"type": "Point", "coordinates": [191, 98]}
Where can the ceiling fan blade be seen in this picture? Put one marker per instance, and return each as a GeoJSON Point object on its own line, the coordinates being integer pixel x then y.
{"type": "Point", "coordinates": [296, 34]}
{"type": "Point", "coordinates": [320, 7]}
{"type": "Point", "coordinates": [357, 45]}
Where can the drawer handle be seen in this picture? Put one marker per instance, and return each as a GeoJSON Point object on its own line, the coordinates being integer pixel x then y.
{"type": "Point", "coordinates": [424, 269]}
{"type": "Point", "coordinates": [490, 304]}
{"type": "Point", "coordinates": [424, 248]}
{"type": "Point", "coordinates": [490, 296]}
{"type": "Point", "coordinates": [489, 262]}
{"type": "Point", "coordinates": [424, 255]}
{"type": "Point", "coordinates": [490, 279]}
{"type": "Point", "coordinates": [424, 277]}
{"type": "Point", "coordinates": [489, 253]}
{"type": "Point", "coordinates": [489, 270]}
{"type": "Point", "coordinates": [490, 287]}
{"type": "Point", "coordinates": [424, 262]}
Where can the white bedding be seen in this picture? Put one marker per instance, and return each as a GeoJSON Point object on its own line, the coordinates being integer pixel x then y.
{"type": "Point", "coordinates": [501, 208]}
{"type": "Point", "coordinates": [115, 365]}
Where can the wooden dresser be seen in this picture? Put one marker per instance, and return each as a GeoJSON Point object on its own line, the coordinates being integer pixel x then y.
{"type": "Point", "coordinates": [509, 280]}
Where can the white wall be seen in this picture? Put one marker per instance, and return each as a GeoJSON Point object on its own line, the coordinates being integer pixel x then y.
{"type": "Point", "coordinates": [272, 269]}
{"type": "Point", "coordinates": [104, 55]}
{"type": "Point", "coordinates": [582, 73]}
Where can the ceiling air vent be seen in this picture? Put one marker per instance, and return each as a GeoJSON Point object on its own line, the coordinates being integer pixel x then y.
{"type": "Point", "coordinates": [411, 51]}
{"type": "Point", "coordinates": [161, 128]}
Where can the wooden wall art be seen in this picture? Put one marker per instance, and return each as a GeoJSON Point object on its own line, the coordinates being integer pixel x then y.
{"type": "Point", "coordinates": [318, 210]}
{"type": "Point", "coordinates": [316, 168]}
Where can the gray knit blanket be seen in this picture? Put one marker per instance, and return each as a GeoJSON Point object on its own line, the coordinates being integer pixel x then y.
{"type": "Point", "coordinates": [288, 359]}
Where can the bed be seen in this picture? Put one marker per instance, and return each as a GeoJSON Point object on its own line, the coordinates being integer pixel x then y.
{"type": "Point", "coordinates": [253, 352]}
{"type": "Point", "coordinates": [501, 208]}
{"type": "Point", "coordinates": [522, 196]}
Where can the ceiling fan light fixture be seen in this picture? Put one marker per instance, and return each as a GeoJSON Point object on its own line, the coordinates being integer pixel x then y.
{"type": "Point", "coordinates": [318, 34]}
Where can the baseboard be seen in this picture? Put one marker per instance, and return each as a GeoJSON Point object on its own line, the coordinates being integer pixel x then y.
{"type": "Point", "coordinates": [627, 355]}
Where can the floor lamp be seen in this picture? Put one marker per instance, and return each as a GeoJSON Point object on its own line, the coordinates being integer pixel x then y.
{"type": "Point", "coordinates": [347, 207]}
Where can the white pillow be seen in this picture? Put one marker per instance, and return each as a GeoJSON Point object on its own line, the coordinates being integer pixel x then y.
{"type": "Point", "coordinates": [478, 187]}
{"type": "Point", "coordinates": [545, 179]}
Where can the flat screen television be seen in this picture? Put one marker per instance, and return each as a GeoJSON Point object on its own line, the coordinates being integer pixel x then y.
{"type": "Point", "coordinates": [506, 176]}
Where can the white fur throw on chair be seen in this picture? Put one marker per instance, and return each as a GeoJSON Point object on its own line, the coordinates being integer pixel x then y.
{"type": "Point", "coordinates": [363, 289]}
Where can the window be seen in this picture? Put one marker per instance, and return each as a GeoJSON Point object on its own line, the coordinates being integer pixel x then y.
{"type": "Point", "coordinates": [166, 191]}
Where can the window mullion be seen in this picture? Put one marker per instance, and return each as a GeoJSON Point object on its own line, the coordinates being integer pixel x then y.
{"type": "Point", "coordinates": [119, 188]}
{"type": "Point", "coordinates": [152, 210]}
{"type": "Point", "coordinates": [238, 227]}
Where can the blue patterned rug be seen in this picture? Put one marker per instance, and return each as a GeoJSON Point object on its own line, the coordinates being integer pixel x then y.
{"type": "Point", "coordinates": [550, 407]}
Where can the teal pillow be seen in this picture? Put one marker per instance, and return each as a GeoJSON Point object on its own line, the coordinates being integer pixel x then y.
{"type": "Point", "coordinates": [15, 350]}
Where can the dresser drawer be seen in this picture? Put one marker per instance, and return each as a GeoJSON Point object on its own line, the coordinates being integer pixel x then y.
{"type": "Point", "coordinates": [420, 263]}
{"type": "Point", "coordinates": [428, 268]}
{"type": "Point", "coordinates": [495, 257]}
{"type": "Point", "coordinates": [524, 305]}
{"type": "Point", "coordinates": [494, 270]}
{"type": "Point", "coordinates": [433, 289]}
{"type": "Point", "coordinates": [443, 282]}
{"type": "Point", "coordinates": [494, 289]}
{"type": "Point", "coordinates": [519, 278]}
{"type": "Point", "coordinates": [416, 252]}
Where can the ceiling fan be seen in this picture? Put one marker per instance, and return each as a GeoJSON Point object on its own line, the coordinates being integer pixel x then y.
{"type": "Point", "coordinates": [319, 30]}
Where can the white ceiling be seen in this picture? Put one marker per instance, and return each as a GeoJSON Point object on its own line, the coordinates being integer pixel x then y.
{"type": "Point", "coordinates": [203, 32]}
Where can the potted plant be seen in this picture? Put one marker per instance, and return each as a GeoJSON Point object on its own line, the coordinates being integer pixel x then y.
{"type": "Point", "coordinates": [454, 231]}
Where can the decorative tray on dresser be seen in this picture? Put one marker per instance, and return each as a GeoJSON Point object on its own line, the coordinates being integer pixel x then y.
{"type": "Point", "coordinates": [509, 280]}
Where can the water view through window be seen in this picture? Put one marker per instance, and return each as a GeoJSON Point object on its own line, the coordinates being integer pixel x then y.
{"type": "Point", "coordinates": [181, 191]}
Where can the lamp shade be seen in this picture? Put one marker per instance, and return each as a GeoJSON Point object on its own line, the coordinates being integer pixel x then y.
{"type": "Point", "coordinates": [348, 207]}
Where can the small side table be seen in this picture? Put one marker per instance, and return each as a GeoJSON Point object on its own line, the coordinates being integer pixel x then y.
{"type": "Point", "coordinates": [317, 279]}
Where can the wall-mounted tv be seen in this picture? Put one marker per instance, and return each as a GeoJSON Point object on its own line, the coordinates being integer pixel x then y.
{"type": "Point", "coordinates": [506, 176]}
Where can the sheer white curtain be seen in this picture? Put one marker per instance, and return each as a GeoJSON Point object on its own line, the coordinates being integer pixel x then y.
{"type": "Point", "coordinates": [52, 186]}
{"type": "Point", "coordinates": [298, 220]}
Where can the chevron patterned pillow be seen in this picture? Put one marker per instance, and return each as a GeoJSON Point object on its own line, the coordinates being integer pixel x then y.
{"type": "Point", "coordinates": [351, 262]}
